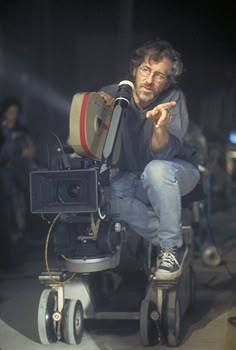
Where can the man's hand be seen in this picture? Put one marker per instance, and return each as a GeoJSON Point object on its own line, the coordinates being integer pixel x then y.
{"type": "Point", "coordinates": [109, 100]}
{"type": "Point", "coordinates": [160, 114]}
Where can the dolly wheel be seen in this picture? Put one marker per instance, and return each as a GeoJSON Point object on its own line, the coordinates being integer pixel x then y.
{"type": "Point", "coordinates": [72, 322]}
{"type": "Point", "coordinates": [47, 326]}
{"type": "Point", "coordinates": [173, 319]}
{"type": "Point", "coordinates": [148, 323]}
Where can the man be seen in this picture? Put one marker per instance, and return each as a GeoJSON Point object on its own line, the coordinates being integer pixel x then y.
{"type": "Point", "coordinates": [156, 165]}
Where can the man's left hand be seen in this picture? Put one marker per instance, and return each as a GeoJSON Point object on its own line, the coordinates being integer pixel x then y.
{"type": "Point", "coordinates": [160, 114]}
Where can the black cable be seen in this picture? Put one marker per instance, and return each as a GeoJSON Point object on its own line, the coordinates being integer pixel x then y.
{"type": "Point", "coordinates": [59, 141]}
{"type": "Point", "coordinates": [64, 156]}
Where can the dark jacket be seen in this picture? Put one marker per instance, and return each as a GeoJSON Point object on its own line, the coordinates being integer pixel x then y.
{"type": "Point", "coordinates": [137, 130]}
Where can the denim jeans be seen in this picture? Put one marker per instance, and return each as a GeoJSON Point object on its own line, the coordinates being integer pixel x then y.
{"type": "Point", "coordinates": [150, 203]}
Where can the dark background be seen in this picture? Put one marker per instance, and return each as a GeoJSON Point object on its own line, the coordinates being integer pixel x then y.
{"type": "Point", "coordinates": [49, 50]}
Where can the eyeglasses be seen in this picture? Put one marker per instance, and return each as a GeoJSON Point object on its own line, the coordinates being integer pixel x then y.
{"type": "Point", "coordinates": [157, 76]}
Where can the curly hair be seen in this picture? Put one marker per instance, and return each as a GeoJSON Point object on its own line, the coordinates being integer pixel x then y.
{"type": "Point", "coordinates": [156, 50]}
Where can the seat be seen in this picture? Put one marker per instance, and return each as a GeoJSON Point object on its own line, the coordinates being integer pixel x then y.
{"type": "Point", "coordinates": [196, 195]}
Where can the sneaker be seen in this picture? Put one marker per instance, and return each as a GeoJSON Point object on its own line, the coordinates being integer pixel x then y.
{"type": "Point", "coordinates": [170, 262]}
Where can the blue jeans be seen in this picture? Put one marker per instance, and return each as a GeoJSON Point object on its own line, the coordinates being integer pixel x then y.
{"type": "Point", "coordinates": [150, 203]}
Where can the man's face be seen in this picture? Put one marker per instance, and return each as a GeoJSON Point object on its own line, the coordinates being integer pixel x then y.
{"type": "Point", "coordinates": [11, 115]}
{"type": "Point", "coordinates": [150, 79]}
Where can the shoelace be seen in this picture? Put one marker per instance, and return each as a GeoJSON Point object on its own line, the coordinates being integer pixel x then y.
{"type": "Point", "coordinates": [168, 258]}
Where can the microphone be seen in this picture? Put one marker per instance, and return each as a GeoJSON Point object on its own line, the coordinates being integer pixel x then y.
{"type": "Point", "coordinates": [123, 97]}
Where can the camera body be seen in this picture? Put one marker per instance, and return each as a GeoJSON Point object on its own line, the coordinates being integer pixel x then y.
{"type": "Point", "coordinates": [64, 191]}
{"type": "Point", "coordinates": [84, 226]}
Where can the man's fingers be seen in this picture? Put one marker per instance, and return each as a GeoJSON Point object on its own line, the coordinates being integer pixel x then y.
{"type": "Point", "coordinates": [162, 122]}
{"type": "Point", "coordinates": [159, 110]}
{"type": "Point", "coordinates": [109, 100]}
{"type": "Point", "coordinates": [167, 105]}
{"type": "Point", "coordinates": [151, 113]}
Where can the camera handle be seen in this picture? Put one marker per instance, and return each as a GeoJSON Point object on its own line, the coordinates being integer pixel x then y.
{"type": "Point", "coordinates": [121, 104]}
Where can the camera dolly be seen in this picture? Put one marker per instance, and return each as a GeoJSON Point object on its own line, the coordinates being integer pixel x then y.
{"type": "Point", "coordinates": [110, 262]}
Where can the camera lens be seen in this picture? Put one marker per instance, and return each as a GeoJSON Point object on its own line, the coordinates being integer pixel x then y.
{"type": "Point", "coordinates": [71, 191]}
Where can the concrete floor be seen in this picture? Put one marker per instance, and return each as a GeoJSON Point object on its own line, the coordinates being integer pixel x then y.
{"type": "Point", "coordinates": [204, 329]}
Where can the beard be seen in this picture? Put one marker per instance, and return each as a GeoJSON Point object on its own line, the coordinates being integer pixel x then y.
{"type": "Point", "coordinates": [145, 97]}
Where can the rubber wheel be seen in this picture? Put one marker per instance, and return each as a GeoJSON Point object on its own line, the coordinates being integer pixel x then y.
{"type": "Point", "coordinates": [173, 320]}
{"type": "Point", "coordinates": [47, 327]}
{"type": "Point", "coordinates": [72, 322]}
{"type": "Point", "coordinates": [148, 328]}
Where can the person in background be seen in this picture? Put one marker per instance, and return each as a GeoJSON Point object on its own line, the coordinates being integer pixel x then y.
{"type": "Point", "coordinates": [156, 166]}
{"type": "Point", "coordinates": [17, 159]}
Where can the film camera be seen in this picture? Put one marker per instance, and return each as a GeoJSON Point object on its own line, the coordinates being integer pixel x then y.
{"type": "Point", "coordinates": [77, 185]}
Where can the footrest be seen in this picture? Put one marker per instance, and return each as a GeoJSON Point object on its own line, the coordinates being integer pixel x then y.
{"type": "Point", "coordinates": [93, 264]}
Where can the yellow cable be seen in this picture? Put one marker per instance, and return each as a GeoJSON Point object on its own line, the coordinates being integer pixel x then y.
{"type": "Point", "coordinates": [46, 253]}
